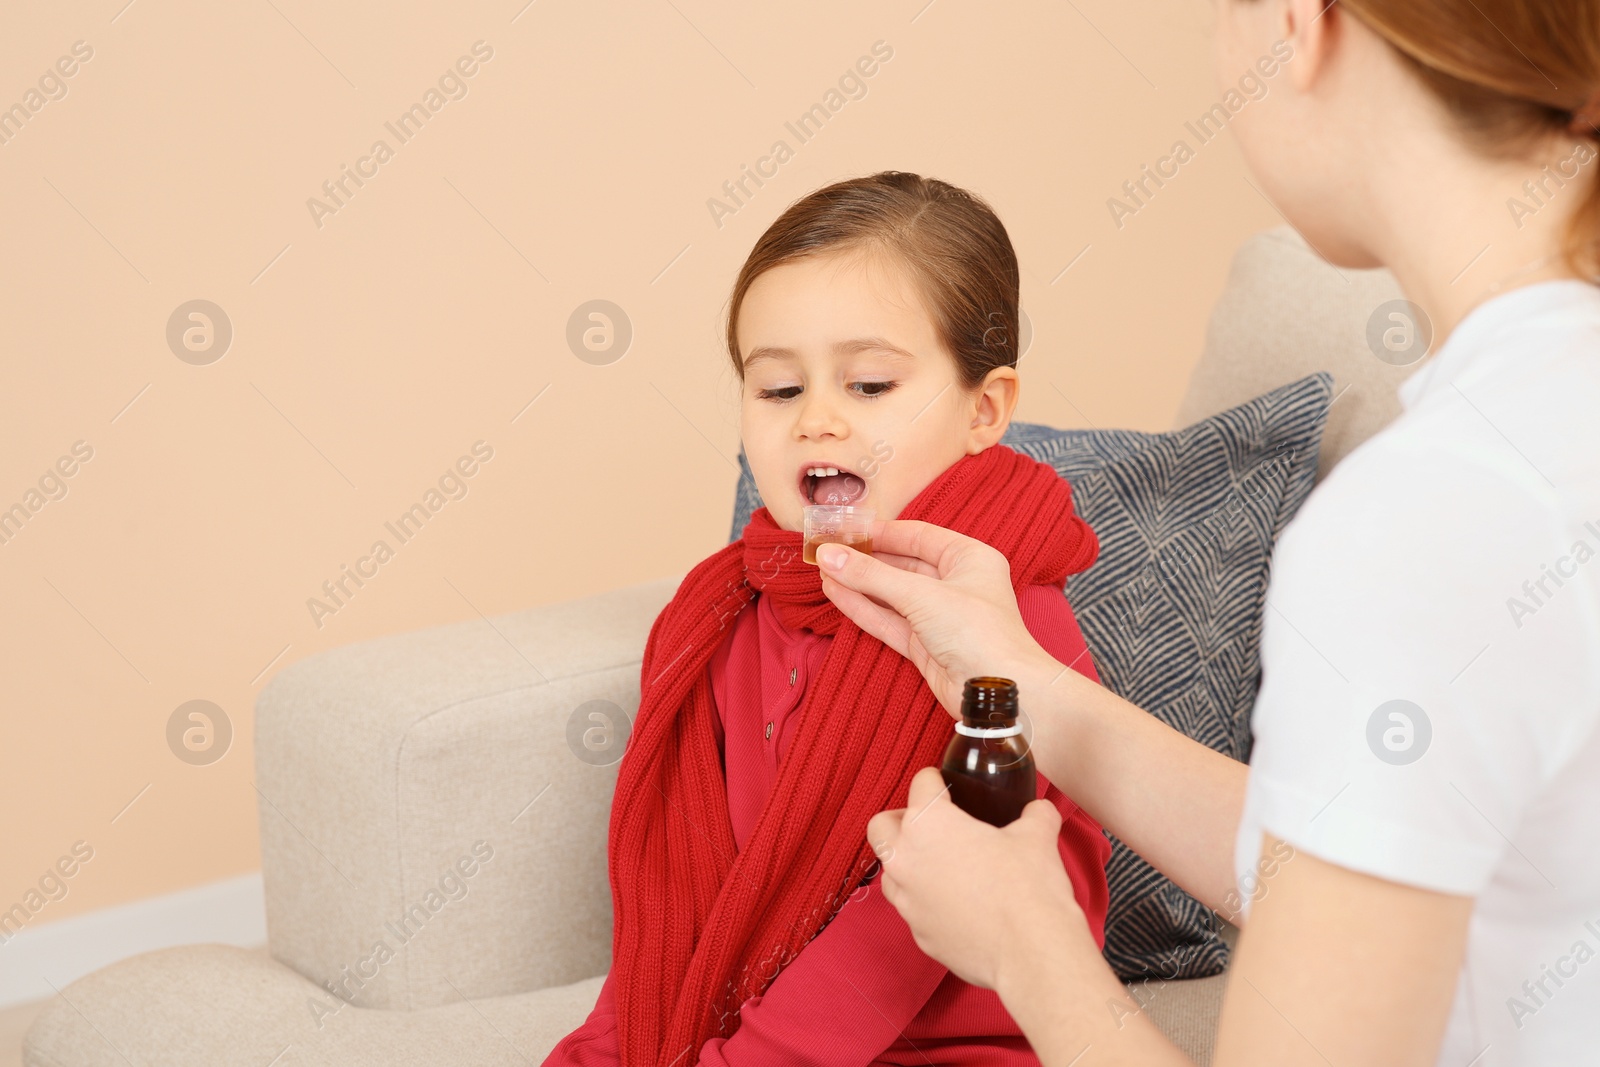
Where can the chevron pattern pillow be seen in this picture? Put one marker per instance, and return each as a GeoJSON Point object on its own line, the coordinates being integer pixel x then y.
{"type": "Point", "coordinates": [1172, 607]}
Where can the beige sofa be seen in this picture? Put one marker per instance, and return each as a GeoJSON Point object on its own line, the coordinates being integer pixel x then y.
{"type": "Point", "coordinates": [428, 775]}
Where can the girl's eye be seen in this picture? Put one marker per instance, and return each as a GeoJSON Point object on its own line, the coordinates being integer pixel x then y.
{"type": "Point", "coordinates": [789, 392]}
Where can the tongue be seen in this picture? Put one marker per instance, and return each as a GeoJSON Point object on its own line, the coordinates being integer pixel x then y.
{"type": "Point", "coordinates": [838, 489]}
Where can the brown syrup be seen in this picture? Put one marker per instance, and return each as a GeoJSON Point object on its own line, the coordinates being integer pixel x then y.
{"type": "Point", "coordinates": [859, 543]}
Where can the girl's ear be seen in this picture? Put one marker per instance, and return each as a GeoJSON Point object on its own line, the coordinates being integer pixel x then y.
{"type": "Point", "coordinates": [992, 404]}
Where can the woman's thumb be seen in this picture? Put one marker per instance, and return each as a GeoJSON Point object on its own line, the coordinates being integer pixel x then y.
{"type": "Point", "coordinates": [1041, 817]}
{"type": "Point", "coordinates": [832, 556]}
{"type": "Point", "coordinates": [859, 572]}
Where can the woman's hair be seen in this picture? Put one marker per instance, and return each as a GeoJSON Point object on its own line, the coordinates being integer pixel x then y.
{"type": "Point", "coordinates": [950, 241]}
{"type": "Point", "coordinates": [1511, 72]}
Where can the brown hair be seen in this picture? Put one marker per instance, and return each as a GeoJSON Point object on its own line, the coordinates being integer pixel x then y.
{"type": "Point", "coordinates": [950, 240]}
{"type": "Point", "coordinates": [1510, 72]}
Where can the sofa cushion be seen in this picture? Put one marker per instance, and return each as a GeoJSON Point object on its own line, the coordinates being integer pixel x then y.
{"type": "Point", "coordinates": [1286, 313]}
{"type": "Point", "coordinates": [1172, 607]}
{"type": "Point", "coordinates": [217, 1005]}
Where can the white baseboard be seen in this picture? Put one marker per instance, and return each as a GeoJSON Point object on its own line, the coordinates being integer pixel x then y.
{"type": "Point", "coordinates": [38, 957]}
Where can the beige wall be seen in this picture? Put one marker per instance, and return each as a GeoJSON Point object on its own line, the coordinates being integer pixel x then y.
{"type": "Point", "coordinates": [371, 351]}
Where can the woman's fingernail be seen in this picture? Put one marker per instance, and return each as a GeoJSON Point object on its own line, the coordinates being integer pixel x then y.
{"type": "Point", "coordinates": [832, 556]}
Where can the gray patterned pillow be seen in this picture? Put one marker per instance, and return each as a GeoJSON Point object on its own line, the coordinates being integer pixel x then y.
{"type": "Point", "coordinates": [1172, 607]}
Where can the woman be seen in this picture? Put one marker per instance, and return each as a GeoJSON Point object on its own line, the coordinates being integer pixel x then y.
{"type": "Point", "coordinates": [1411, 854]}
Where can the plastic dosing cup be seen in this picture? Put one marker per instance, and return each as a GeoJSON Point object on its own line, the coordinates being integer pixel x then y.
{"type": "Point", "coordinates": [843, 524]}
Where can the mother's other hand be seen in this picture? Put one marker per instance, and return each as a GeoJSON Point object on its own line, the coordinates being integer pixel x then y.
{"type": "Point", "coordinates": [976, 896]}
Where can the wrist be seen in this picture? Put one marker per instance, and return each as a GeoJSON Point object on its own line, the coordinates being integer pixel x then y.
{"type": "Point", "coordinates": [1025, 966]}
{"type": "Point", "coordinates": [1043, 693]}
{"type": "Point", "coordinates": [1044, 968]}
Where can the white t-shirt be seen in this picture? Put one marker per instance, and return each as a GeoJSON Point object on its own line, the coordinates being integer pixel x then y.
{"type": "Point", "coordinates": [1451, 564]}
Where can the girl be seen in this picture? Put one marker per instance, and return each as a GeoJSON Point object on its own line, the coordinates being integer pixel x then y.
{"type": "Point", "coordinates": [873, 330]}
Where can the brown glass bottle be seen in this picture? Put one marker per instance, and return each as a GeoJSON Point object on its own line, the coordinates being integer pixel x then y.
{"type": "Point", "coordinates": [988, 764]}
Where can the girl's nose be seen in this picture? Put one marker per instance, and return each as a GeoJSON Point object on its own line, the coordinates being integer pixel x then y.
{"type": "Point", "coordinates": [820, 415]}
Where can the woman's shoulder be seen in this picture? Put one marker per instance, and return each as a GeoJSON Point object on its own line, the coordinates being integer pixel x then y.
{"type": "Point", "coordinates": [1412, 501]}
{"type": "Point", "coordinates": [1403, 544]}
{"type": "Point", "coordinates": [1436, 594]}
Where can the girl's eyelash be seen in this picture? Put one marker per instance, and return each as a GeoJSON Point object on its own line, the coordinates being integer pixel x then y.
{"type": "Point", "coordinates": [772, 394]}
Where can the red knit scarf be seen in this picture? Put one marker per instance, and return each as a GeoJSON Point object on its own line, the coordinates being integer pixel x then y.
{"type": "Point", "coordinates": [700, 927]}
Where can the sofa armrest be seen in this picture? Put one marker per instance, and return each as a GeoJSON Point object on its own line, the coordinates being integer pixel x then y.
{"type": "Point", "coordinates": [427, 832]}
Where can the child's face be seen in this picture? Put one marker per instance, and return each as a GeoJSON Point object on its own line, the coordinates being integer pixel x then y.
{"type": "Point", "coordinates": [843, 369]}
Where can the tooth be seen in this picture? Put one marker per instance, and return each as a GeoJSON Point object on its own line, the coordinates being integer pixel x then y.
{"type": "Point", "coordinates": [833, 470]}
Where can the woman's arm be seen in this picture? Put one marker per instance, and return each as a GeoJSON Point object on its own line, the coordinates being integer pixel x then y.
{"type": "Point", "coordinates": [945, 602]}
{"type": "Point", "coordinates": [1312, 983]}
{"type": "Point", "coordinates": [1174, 801]}
{"type": "Point", "coordinates": [1387, 957]}
{"type": "Point", "coordinates": [1277, 1011]}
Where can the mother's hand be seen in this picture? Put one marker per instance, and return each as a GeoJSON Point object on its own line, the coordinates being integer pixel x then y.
{"type": "Point", "coordinates": [941, 599]}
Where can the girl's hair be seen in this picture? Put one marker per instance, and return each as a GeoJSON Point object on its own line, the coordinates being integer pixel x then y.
{"type": "Point", "coordinates": [950, 241]}
{"type": "Point", "coordinates": [1510, 72]}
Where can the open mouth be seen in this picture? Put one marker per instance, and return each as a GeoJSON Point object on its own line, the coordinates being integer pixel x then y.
{"type": "Point", "coordinates": [841, 486]}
